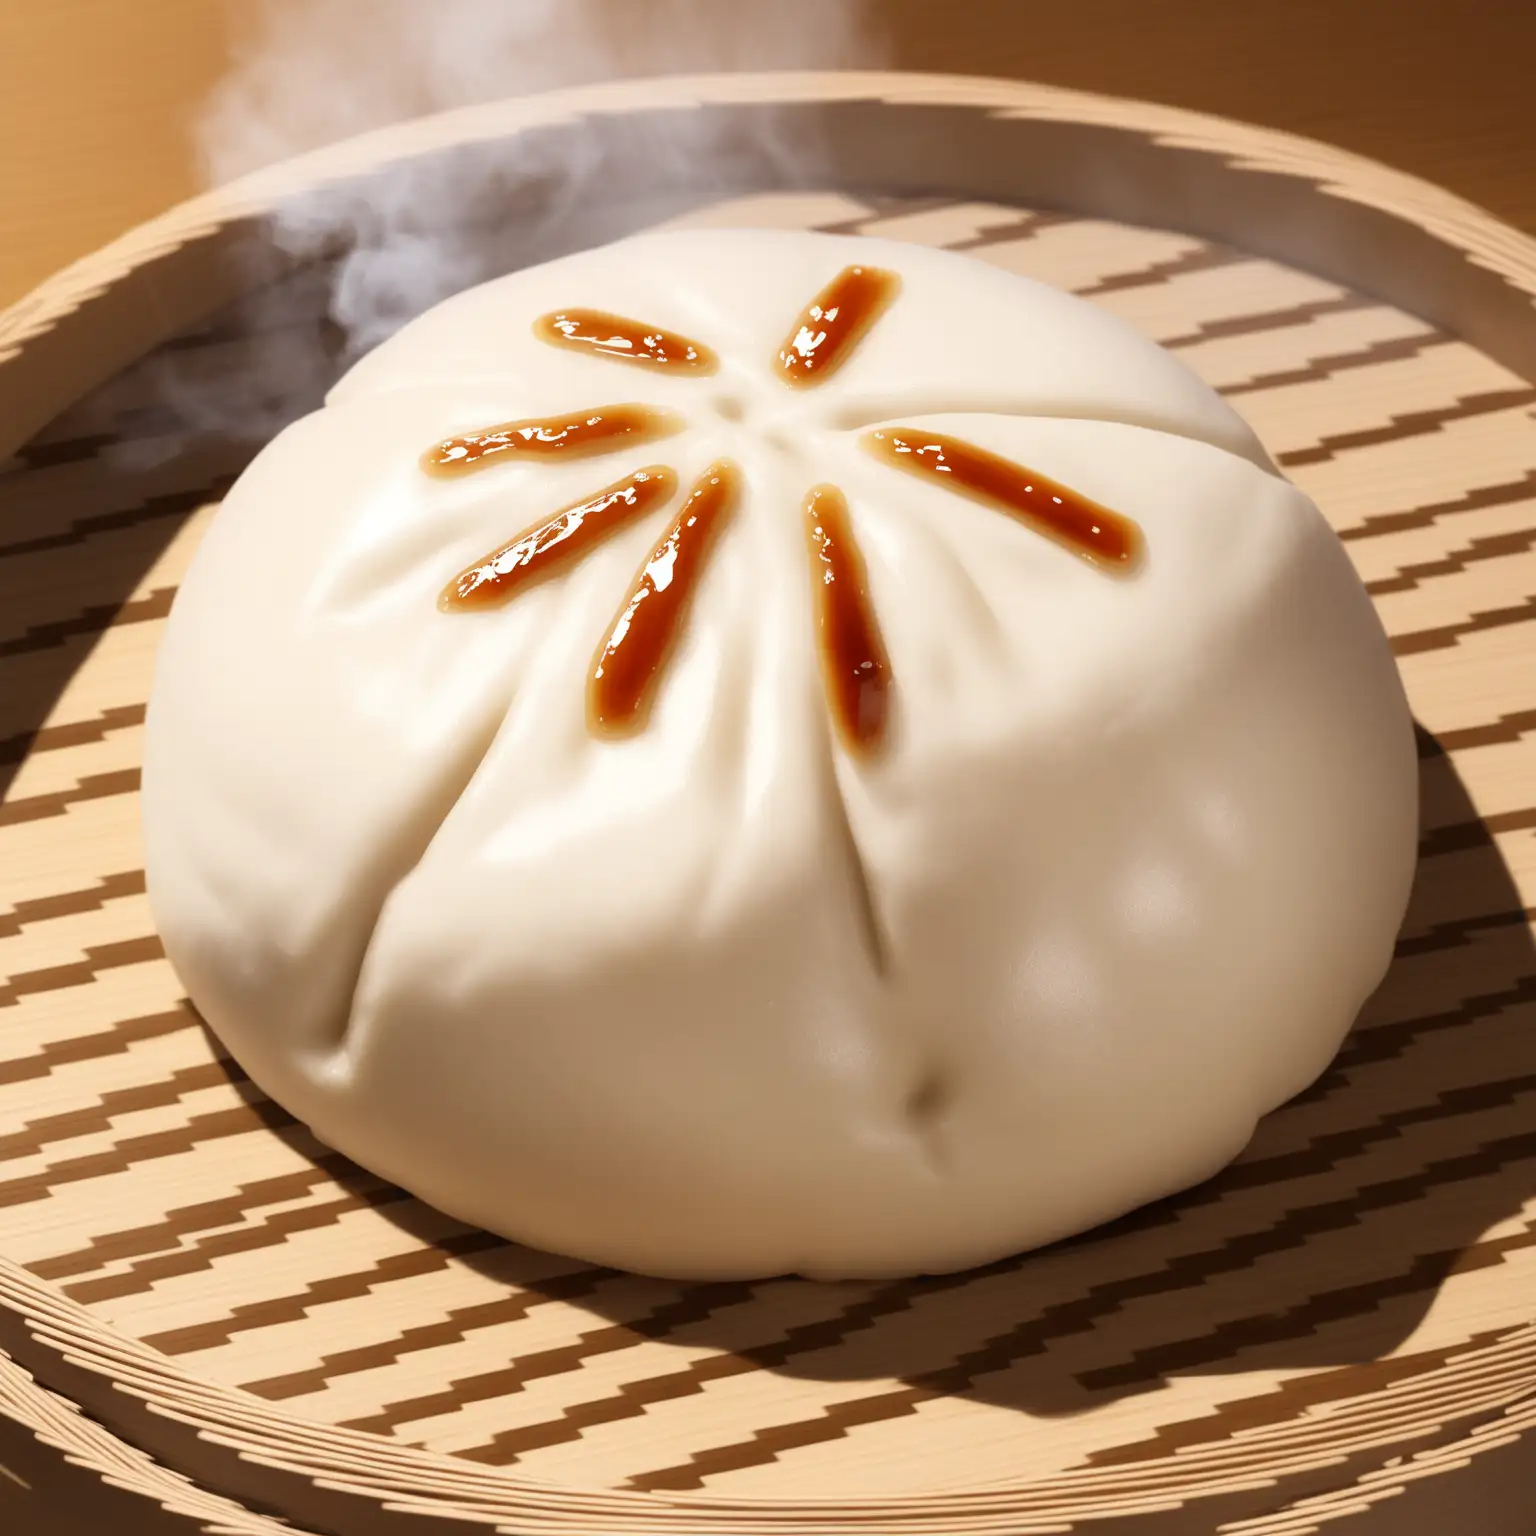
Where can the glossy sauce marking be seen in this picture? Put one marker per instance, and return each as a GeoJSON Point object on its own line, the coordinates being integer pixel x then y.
{"type": "Point", "coordinates": [855, 670]}
{"type": "Point", "coordinates": [629, 665]}
{"type": "Point", "coordinates": [602, 429]}
{"type": "Point", "coordinates": [1103, 538]}
{"type": "Point", "coordinates": [557, 540]}
{"type": "Point", "coordinates": [626, 341]}
{"type": "Point", "coordinates": [835, 322]}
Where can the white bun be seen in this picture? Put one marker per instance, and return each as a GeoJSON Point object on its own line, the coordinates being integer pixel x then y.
{"type": "Point", "coordinates": [720, 999]}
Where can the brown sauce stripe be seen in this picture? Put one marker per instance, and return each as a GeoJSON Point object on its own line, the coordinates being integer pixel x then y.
{"type": "Point", "coordinates": [601, 334]}
{"type": "Point", "coordinates": [553, 543]}
{"type": "Point", "coordinates": [833, 324]}
{"type": "Point", "coordinates": [572, 435]}
{"type": "Point", "coordinates": [855, 670]}
{"type": "Point", "coordinates": [1105, 539]}
{"type": "Point", "coordinates": [629, 664]}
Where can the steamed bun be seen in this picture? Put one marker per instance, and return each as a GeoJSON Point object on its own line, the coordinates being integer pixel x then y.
{"type": "Point", "coordinates": [879, 873]}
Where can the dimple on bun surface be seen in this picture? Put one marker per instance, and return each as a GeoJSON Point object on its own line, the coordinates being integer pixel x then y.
{"type": "Point", "coordinates": [951, 882]}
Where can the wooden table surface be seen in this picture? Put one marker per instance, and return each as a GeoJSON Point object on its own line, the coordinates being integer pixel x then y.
{"type": "Point", "coordinates": [97, 99]}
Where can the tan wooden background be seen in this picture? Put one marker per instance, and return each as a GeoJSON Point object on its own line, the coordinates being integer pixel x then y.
{"type": "Point", "coordinates": [96, 95]}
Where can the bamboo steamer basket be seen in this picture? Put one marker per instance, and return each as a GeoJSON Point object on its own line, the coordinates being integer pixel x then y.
{"type": "Point", "coordinates": [203, 1304]}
